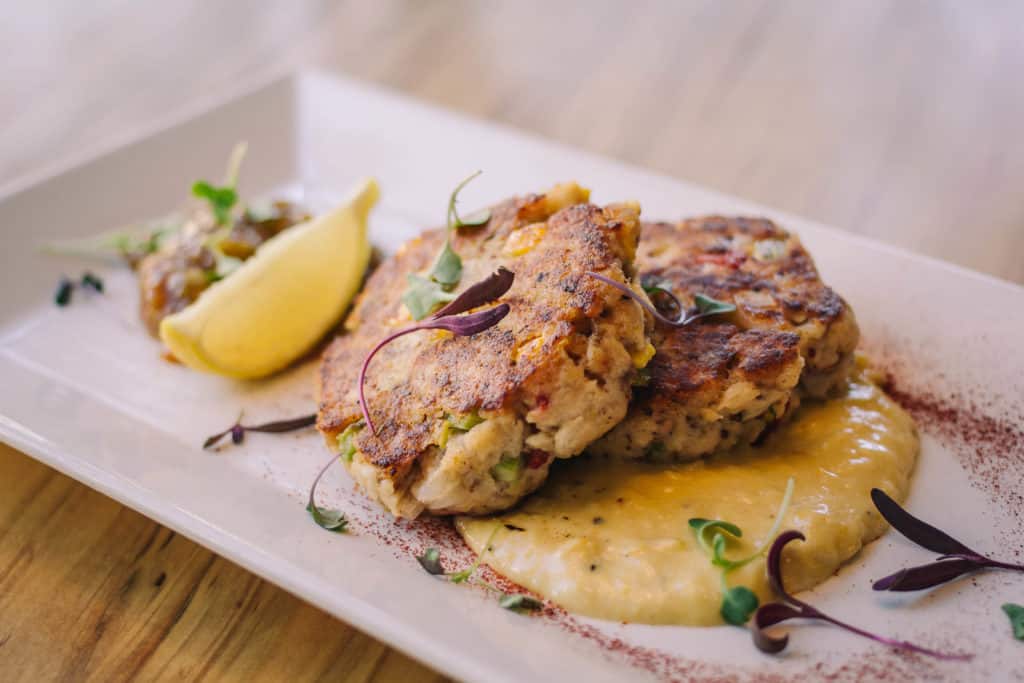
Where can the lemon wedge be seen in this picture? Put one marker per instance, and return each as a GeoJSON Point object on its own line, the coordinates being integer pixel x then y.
{"type": "Point", "coordinates": [282, 300]}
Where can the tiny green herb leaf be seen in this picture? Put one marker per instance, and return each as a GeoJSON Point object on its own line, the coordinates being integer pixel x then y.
{"type": "Point", "coordinates": [454, 222]}
{"type": "Point", "coordinates": [447, 270]}
{"type": "Point", "coordinates": [66, 287]}
{"type": "Point", "coordinates": [738, 604]}
{"type": "Point", "coordinates": [331, 520]}
{"type": "Point", "coordinates": [423, 296]}
{"type": "Point", "coordinates": [1016, 615]}
{"type": "Point", "coordinates": [62, 297]}
{"type": "Point", "coordinates": [708, 306]}
{"type": "Point", "coordinates": [221, 199]}
{"type": "Point", "coordinates": [461, 576]}
{"type": "Point", "coordinates": [704, 306]}
{"type": "Point", "coordinates": [474, 220]}
{"type": "Point", "coordinates": [518, 602]}
{"type": "Point", "coordinates": [709, 536]}
{"type": "Point", "coordinates": [652, 284]}
{"type": "Point", "coordinates": [131, 243]}
{"type": "Point", "coordinates": [93, 282]}
{"type": "Point", "coordinates": [430, 560]}
{"type": "Point", "coordinates": [465, 574]}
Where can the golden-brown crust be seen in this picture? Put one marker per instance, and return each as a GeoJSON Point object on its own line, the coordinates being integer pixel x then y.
{"type": "Point", "coordinates": [721, 381]}
{"type": "Point", "coordinates": [698, 359]}
{"type": "Point", "coordinates": [420, 378]}
{"type": "Point", "coordinates": [761, 268]}
{"type": "Point", "coordinates": [719, 256]}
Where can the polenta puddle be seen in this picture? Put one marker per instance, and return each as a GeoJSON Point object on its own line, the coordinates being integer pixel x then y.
{"type": "Point", "coordinates": [610, 539]}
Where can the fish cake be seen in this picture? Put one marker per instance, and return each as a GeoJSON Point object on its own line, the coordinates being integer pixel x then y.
{"type": "Point", "coordinates": [724, 380]}
{"type": "Point", "coordinates": [472, 424]}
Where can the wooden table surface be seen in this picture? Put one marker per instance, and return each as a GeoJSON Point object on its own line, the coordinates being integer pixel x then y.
{"type": "Point", "coordinates": [898, 119]}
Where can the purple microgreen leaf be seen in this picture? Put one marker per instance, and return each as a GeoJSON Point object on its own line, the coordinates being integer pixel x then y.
{"type": "Point", "coordinates": [628, 291]}
{"type": "Point", "coordinates": [891, 642]}
{"type": "Point", "coordinates": [926, 575]}
{"type": "Point", "coordinates": [918, 531]}
{"type": "Point", "coordinates": [238, 430]}
{"type": "Point", "coordinates": [774, 564]}
{"type": "Point", "coordinates": [470, 323]}
{"type": "Point", "coordinates": [214, 438]}
{"type": "Point", "coordinates": [791, 608]}
{"type": "Point", "coordinates": [331, 520]}
{"type": "Point", "coordinates": [459, 325]}
{"type": "Point", "coordinates": [705, 305]}
{"type": "Point", "coordinates": [766, 617]}
{"type": "Point", "coordinates": [1016, 615]}
{"type": "Point", "coordinates": [430, 560]}
{"type": "Point", "coordinates": [484, 292]}
{"type": "Point", "coordinates": [281, 426]}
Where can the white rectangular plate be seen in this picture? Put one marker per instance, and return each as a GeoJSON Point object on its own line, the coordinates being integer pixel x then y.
{"type": "Point", "coordinates": [84, 390]}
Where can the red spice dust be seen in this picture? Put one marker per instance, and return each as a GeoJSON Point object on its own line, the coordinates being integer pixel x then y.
{"type": "Point", "coordinates": [990, 447]}
{"type": "Point", "coordinates": [410, 538]}
{"type": "Point", "coordinates": [986, 445]}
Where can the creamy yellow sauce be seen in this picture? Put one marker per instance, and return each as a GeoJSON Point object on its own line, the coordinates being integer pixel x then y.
{"type": "Point", "coordinates": [610, 539]}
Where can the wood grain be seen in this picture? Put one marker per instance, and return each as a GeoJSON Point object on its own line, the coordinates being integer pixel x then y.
{"type": "Point", "coordinates": [897, 119]}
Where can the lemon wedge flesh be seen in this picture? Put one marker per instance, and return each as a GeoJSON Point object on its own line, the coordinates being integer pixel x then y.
{"type": "Point", "coordinates": [282, 300]}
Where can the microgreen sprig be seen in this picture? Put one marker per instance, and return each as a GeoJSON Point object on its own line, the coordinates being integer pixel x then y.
{"type": "Point", "coordinates": [222, 199]}
{"type": "Point", "coordinates": [791, 608]}
{"type": "Point", "coordinates": [449, 318]}
{"type": "Point", "coordinates": [425, 293]}
{"type": "Point", "coordinates": [1016, 616]}
{"type": "Point", "coordinates": [331, 520]}
{"type": "Point", "coordinates": [738, 602]}
{"type": "Point", "coordinates": [704, 306]}
{"type": "Point", "coordinates": [238, 430]}
{"type": "Point", "coordinates": [956, 558]}
{"type": "Point", "coordinates": [430, 560]}
{"type": "Point", "coordinates": [131, 243]}
{"type": "Point", "coordinates": [66, 287]}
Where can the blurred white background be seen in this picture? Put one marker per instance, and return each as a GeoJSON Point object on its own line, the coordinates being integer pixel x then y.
{"type": "Point", "coordinates": [899, 119]}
